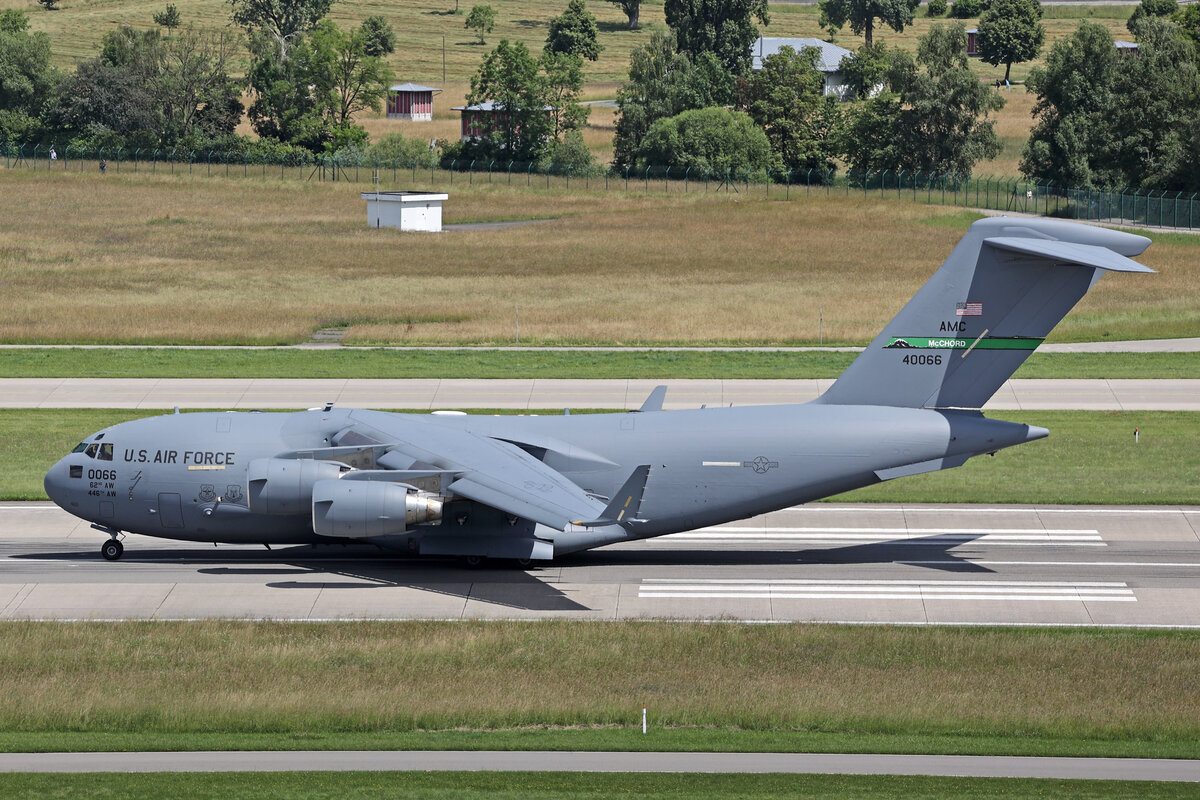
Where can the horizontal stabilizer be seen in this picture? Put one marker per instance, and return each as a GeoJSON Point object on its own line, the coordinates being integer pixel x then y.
{"type": "Point", "coordinates": [623, 508]}
{"type": "Point", "coordinates": [1083, 255]}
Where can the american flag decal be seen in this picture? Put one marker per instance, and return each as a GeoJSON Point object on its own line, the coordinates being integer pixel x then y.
{"type": "Point", "coordinates": [968, 309]}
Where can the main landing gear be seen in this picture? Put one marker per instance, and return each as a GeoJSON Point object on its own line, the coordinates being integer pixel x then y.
{"type": "Point", "coordinates": [112, 549]}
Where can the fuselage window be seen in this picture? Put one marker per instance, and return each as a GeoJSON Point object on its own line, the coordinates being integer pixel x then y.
{"type": "Point", "coordinates": [90, 452]}
{"type": "Point", "coordinates": [106, 452]}
{"type": "Point", "coordinates": [79, 448]}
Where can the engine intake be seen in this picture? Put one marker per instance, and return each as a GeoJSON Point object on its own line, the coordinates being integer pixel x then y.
{"type": "Point", "coordinates": [356, 509]}
{"type": "Point", "coordinates": [285, 485]}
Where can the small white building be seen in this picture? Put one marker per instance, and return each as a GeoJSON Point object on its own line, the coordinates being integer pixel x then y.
{"type": "Point", "coordinates": [408, 211]}
{"type": "Point", "coordinates": [411, 101]}
{"type": "Point", "coordinates": [830, 62]}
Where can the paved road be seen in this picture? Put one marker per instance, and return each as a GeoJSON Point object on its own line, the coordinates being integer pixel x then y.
{"type": "Point", "coordinates": [535, 394]}
{"type": "Point", "coordinates": [1185, 345]}
{"type": "Point", "coordinates": [902, 564]}
{"type": "Point", "coordinates": [1135, 769]}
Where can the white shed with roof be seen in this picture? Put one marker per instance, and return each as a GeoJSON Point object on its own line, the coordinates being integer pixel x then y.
{"type": "Point", "coordinates": [829, 63]}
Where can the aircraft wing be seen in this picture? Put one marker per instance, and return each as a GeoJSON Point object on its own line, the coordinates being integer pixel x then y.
{"type": "Point", "coordinates": [502, 475]}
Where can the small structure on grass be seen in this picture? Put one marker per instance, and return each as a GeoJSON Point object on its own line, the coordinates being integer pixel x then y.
{"type": "Point", "coordinates": [482, 119]}
{"type": "Point", "coordinates": [829, 64]}
{"type": "Point", "coordinates": [411, 101]}
{"type": "Point", "coordinates": [408, 211]}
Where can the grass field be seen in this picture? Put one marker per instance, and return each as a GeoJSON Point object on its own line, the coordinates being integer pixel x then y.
{"type": "Point", "coordinates": [1034, 690]}
{"type": "Point", "coordinates": [539, 785]}
{"type": "Point", "coordinates": [1089, 458]}
{"type": "Point", "coordinates": [158, 259]}
{"type": "Point", "coordinates": [360, 362]}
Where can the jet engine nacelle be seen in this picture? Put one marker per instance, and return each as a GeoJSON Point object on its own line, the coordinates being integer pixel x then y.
{"type": "Point", "coordinates": [357, 509]}
{"type": "Point", "coordinates": [285, 485]}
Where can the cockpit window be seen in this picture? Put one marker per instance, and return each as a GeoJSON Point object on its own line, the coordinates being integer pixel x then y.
{"type": "Point", "coordinates": [106, 452]}
{"type": "Point", "coordinates": [90, 452]}
{"type": "Point", "coordinates": [79, 448]}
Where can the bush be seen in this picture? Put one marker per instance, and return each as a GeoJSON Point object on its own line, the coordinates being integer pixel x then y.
{"type": "Point", "coordinates": [570, 156]}
{"type": "Point", "coordinates": [396, 147]}
{"type": "Point", "coordinates": [937, 8]}
{"type": "Point", "coordinates": [967, 9]}
{"type": "Point", "coordinates": [712, 140]}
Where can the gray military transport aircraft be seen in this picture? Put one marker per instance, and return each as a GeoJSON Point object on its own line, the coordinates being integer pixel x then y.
{"type": "Point", "coordinates": [533, 488]}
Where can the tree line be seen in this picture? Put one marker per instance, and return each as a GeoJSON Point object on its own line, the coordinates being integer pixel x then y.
{"type": "Point", "coordinates": [691, 98]}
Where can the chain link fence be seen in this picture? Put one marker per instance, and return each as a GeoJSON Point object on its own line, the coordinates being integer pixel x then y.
{"type": "Point", "coordinates": [1144, 207]}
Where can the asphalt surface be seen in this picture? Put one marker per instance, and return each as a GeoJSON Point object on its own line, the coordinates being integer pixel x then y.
{"type": "Point", "coordinates": [1129, 769]}
{"type": "Point", "coordinates": [535, 394]}
{"type": "Point", "coordinates": [1181, 345]}
{"type": "Point", "coordinates": [900, 564]}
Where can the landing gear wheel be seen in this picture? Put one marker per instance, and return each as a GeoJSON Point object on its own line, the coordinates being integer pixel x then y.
{"type": "Point", "coordinates": [474, 562]}
{"type": "Point", "coordinates": [112, 550]}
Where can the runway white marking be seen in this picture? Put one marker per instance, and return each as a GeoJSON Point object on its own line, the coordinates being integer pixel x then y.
{"type": "Point", "coordinates": [1084, 537]}
{"type": "Point", "coordinates": [750, 589]}
{"type": "Point", "coordinates": [959, 563]}
{"type": "Point", "coordinates": [817, 507]}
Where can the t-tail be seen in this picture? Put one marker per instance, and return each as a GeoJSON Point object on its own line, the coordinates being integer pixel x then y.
{"type": "Point", "coordinates": [998, 295]}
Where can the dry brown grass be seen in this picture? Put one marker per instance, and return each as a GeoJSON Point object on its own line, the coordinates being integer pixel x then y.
{"type": "Point", "coordinates": [145, 258]}
{"type": "Point", "coordinates": [224, 676]}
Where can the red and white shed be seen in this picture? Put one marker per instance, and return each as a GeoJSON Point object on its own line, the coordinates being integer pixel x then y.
{"type": "Point", "coordinates": [411, 101]}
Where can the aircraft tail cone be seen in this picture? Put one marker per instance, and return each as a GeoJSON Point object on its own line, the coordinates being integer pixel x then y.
{"type": "Point", "coordinates": [1034, 433]}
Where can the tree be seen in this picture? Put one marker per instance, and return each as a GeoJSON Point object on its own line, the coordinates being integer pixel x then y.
{"type": "Point", "coordinates": [861, 14]}
{"type": "Point", "coordinates": [1074, 96]}
{"type": "Point", "coordinates": [721, 27]}
{"type": "Point", "coordinates": [563, 76]}
{"type": "Point", "coordinates": [482, 19]}
{"type": "Point", "coordinates": [864, 70]}
{"type": "Point", "coordinates": [168, 17]}
{"type": "Point", "coordinates": [340, 69]}
{"type": "Point", "coordinates": [785, 98]}
{"type": "Point", "coordinates": [1010, 32]}
{"type": "Point", "coordinates": [715, 141]}
{"type": "Point", "coordinates": [663, 83]}
{"type": "Point", "coordinates": [574, 32]}
{"type": "Point", "coordinates": [509, 77]}
{"type": "Point", "coordinates": [1103, 120]}
{"type": "Point", "coordinates": [1151, 8]}
{"type": "Point", "coordinates": [148, 91]}
{"type": "Point", "coordinates": [26, 78]}
{"type": "Point", "coordinates": [936, 119]}
{"type": "Point", "coordinates": [378, 37]}
{"type": "Point", "coordinates": [632, 8]}
{"type": "Point", "coordinates": [283, 20]}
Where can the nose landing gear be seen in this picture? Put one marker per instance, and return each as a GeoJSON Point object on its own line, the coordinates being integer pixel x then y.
{"type": "Point", "coordinates": [112, 550]}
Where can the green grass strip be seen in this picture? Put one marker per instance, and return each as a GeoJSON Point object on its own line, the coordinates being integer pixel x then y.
{"type": "Point", "coordinates": [664, 365]}
{"type": "Point", "coordinates": [539, 785]}
{"type": "Point", "coordinates": [1089, 458]}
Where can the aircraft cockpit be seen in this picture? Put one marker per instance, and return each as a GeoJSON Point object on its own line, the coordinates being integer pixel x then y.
{"type": "Point", "coordinates": [97, 450]}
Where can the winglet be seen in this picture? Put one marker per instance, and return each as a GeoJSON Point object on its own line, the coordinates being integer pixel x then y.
{"type": "Point", "coordinates": [623, 508]}
{"type": "Point", "coordinates": [655, 401]}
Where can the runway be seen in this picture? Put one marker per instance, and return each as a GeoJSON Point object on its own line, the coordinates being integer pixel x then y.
{"type": "Point", "coordinates": [540, 394]}
{"type": "Point", "coordinates": [1128, 769]}
{"type": "Point", "coordinates": [864, 563]}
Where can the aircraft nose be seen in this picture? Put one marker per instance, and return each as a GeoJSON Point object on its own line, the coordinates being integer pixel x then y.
{"type": "Point", "coordinates": [57, 483]}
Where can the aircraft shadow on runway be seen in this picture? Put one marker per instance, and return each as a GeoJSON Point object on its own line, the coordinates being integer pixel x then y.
{"type": "Point", "coordinates": [524, 589]}
{"type": "Point", "coordinates": [931, 552]}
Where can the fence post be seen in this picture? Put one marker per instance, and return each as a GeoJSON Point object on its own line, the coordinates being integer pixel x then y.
{"type": "Point", "coordinates": [529, 174]}
{"type": "Point", "coordinates": [471, 172]}
{"type": "Point", "coordinates": [686, 173]}
{"type": "Point", "coordinates": [787, 191]}
{"type": "Point", "coordinates": [646, 178]}
{"type": "Point", "coordinates": [491, 164]}
{"type": "Point", "coordinates": [882, 181]}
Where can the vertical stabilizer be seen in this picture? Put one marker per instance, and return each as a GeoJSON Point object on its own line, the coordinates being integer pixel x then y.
{"type": "Point", "coordinates": [1000, 292]}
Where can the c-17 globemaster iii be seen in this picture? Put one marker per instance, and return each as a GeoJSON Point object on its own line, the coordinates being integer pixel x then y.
{"type": "Point", "coordinates": [533, 488]}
